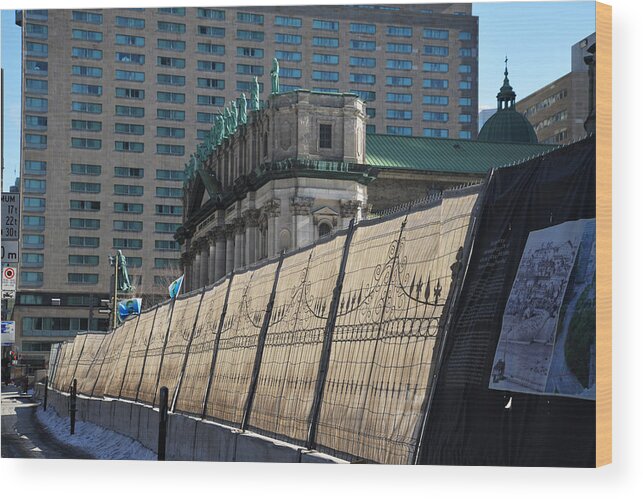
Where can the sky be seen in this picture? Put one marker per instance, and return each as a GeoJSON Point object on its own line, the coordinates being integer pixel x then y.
{"type": "Point", "coordinates": [535, 36]}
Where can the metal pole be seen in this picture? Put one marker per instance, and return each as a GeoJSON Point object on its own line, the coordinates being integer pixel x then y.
{"type": "Point", "coordinates": [44, 407]}
{"type": "Point", "coordinates": [115, 291]}
{"type": "Point", "coordinates": [72, 407]}
{"type": "Point", "coordinates": [162, 423]}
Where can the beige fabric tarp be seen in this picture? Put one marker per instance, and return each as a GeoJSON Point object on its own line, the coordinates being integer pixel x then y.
{"type": "Point", "coordinates": [85, 373]}
{"type": "Point", "coordinates": [115, 364]}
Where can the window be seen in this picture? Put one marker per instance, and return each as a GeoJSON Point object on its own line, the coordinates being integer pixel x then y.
{"type": "Point", "coordinates": [31, 185]}
{"type": "Point", "coordinates": [165, 209]}
{"type": "Point", "coordinates": [247, 86]}
{"type": "Point", "coordinates": [210, 48]}
{"type": "Point", "coordinates": [128, 190]}
{"type": "Point", "coordinates": [399, 130]}
{"type": "Point", "coordinates": [37, 86]}
{"type": "Point", "coordinates": [30, 278]}
{"type": "Point", "coordinates": [33, 167]}
{"type": "Point", "coordinates": [435, 100]}
{"type": "Point", "coordinates": [170, 114]}
{"type": "Point", "coordinates": [371, 112]}
{"type": "Point", "coordinates": [84, 242]}
{"type": "Point", "coordinates": [439, 133]}
{"type": "Point", "coordinates": [288, 38]}
{"type": "Point", "coordinates": [33, 241]}
{"type": "Point", "coordinates": [325, 75]}
{"type": "Point", "coordinates": [255, 36]}
{"type": "Point", "coordinates": [170, 174]}
{"type": "Point", "coordinates": [399, 65]}
{"type": "Point", "coordinates": [86, 126]}
{"type": "Point", "coordinates": [89, 71]}
{"type": "Point", "coordinates": [291, 22]}
{"type": "Point", "coordinates": [86, 53]}
{"type": "Point", "coordinates": [435, 67]}
{"type": "Point", "coordinates": [85, 260]}
{"type": "Point", "coordinates": [436, 34]}
{"type": "Point", "coordinates": [325, 136]}
{"type": "Point", "coordinates": [135, 261]}
{"type": "Point", "coordinates": [163, 245]}
{"type": "Point", "coordinates": [25, 299]}
{"type": "Point", "coordinates": [362, 78]}
{"type": "Point", "coordinates": [170, 62]}
{"type": "Point", "coordinates": [363, 62]}
{"type": "Point", "coordinates": [175, 45]}
{"type": "Point", "coordinates": [128, 226]}
{"type": "Point", "coordinates": [170, 149]}
{"type": "Point", "coordinates": [466, 52]}
{"type": "Point", "coordinates": [250, 52]}
{"type": "Point", "coordinates": [130, 93]}
{"type": "Point", "coordinates": [128, 207]}
{"type": "Point", "coordinates": [85, 169]}
{"type": "Point", "coordinates": [285, 55]}
{"type": "Point", "coordinates": [133, 112]}
{"type": "Point", "coordinates": [248, 18]}
{"type": "Point", "coordinates": [436, 50]}
{"type": "Point", "coordinates": [210, 83]}
{"type": "Point", "coordinates": [464, 134]}
{"type": "Point", "coordinates": [35, 141]}
{"type": "Point", "coordinates": [326, 59]}
{"type": "Point", "coordinates": [464, 35]}
{"type": "Point", "coordinates": [366, 29]}
{"type": "Point", "coordinates": [434, 83]}
{"type": "Point", "coordinates": [217, 67]}
{"type": "Point", "coordinates": [36, 104]}
{"type": "Point", "coordinates": [213, 14]}
{"type": "Point", "coordinates": [34, 67]}
{"type": "Point", "coordinates": [465, 101]}
{"type": "Point", "coordinates": [398, 114]}
{"type": "Point", "coordinates": [403, 31]}
{"type": "Point", "coordinates": [129, 128]}
{"type": "Point", "coordinates": [81, 88]}
{"type": "Point", "coordinates": [35, 122]}
{"type": "Point", "coordinates": [167, 27]}
{"type": "Point", "coordinates": [37, 31]}
{"type": "Point", "coordinates": [464, 85]}
{"type": "Point", "coordinates": [78, 205]}
{"type": "Point", "coordinates": [173, 97]}
{"type": "Point", "coordinates": [433, 116]}
{"type": "Point", "coordinates": [131, 40]}
{"type": "Point", "coordinates": [402, 48]}
{"type": "Point", "coordinates": [325, 25]}
{"type": "Point", "coordinates": [464, 68]}
{"type": "Point", "coordinates": [82, 143]}
{"type": "Point", "coordinates": [129, 75]}
{"type": "Point", "coordinates": [397, 97]}
{"type": "Point", "coordinates": [399, 81]}
{"type": "Point", "coordinates": [90, 36]}
{"type": "Point", "coordinates": [74, 278]}
{"type": "Point", "coordinates": [362, 45]}
{"type": "Point", "coordinates": [130, 22]}
{"type": "Point", "coordinates": [129, 58]}
{"type": "Point", "coordinates": [84, 223]}
{"type": "Point", "coordinates": [464, 118]}
{"type": "Point", "coordinates": [169, 192]}
{"type": "Point", "coordinates": [290, 73]}
{"type": "Point", "coordinates": [164, 131]}
{"type": "Point", "coordinates": [175, 11]}
{"type": "Point", "coordinates": [89, 187]}
{"type": "Point", "coordinates": [365, 95]}
{"type": "Point", "coordinates": [34, 204]}
{"type": "Point", "coordinates": [124, 243]}
{"type": "Point", "coordinates": [126, 146]}
{"type": "Point", "coordinates": [166, 263]}
{"type": "Point", "coordinates": [249, 69]}
{"type": "Point", "coordinates": [33, 259]}
{"type": "Point", "coordinates": [210, 100]}
{"type": "Point", "coordinates": [125, 171]}
{"type": "Point", "coordinates": [170, 228]}
{"type": "Point", "coordinates": [36, 49]}
{"type": "Point", "coordinates": [323, 41]}
{"type": "Point", "coordinates": [86, 17]}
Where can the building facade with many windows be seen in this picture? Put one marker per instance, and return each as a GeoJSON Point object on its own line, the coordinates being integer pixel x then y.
{"type": "Point", "coordinates": [115, 100]}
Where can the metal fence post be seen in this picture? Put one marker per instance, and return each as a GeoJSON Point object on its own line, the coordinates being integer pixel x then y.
{"type": "Point", "coordinates": [163, 396]}
{"type": "Point", "coordinates": [44, 407]}
{"type": "Point", "coordinates": [147, 349]}
{"type": "Point", "coordinates": [167, 335]}
{"type": "Point", "coordinates": [72, 407]}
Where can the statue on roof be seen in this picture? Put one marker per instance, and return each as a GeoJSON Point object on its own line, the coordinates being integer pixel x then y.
{"type": "Point", "coordinates": [218, 130]}
{"type": "Point", "coordinates": [235, 115]}
{"type": "Point", "coordinates": [227, 120]}
{"type": "Point", "coordinates": [243, 109]}
{"type": "Point", "coordinates": [274, 76]}
{"type": "Point", "coordinates": [254, 95]}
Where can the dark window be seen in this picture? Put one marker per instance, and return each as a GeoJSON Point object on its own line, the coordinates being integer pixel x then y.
{"type": "Point", "coordinates": [325, 136]}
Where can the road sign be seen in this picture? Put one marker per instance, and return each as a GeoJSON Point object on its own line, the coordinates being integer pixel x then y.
{"type": "Point", "coordinates": [9, 251]}
{"type": "Point", "coordinates": [8, 295]}
{"type": "Point", "coordinates": [9, 279]}
{"type": "Point", "coordinates": [8, 333]}
{"type": "Point", "coordinates": [10, 216]}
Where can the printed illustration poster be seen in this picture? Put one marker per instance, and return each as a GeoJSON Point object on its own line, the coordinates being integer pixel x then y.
{"type": "Point", "coordinates": [547, 342]}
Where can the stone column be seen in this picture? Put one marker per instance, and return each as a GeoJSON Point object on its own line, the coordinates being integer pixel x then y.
{"type": "Point", "coordinates": [212, 260]}
{"type": "Point", "coordinates": [203, 277]}
{"type": "Point", "coordinates": [196, 268]}
{"type": "Point", "coordinates": [348, 210]}
{"type": "Point", "coordinates": [239, 250]}
{"type": "Point", "coordinates": [251, 220]}
{"type": "Point", "coordinates": [272, 210]}
{"type": "Point", "coordinates": [302, 226]}
{"type": "Point", "coordinates": [229, 257]}
{"type": "Point", "coordinates": [220, 258]}
{"type": "Point", "coordinates": [185, 265]}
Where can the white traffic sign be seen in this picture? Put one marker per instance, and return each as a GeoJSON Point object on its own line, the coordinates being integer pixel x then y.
{"type": "Point", "coordinates": [9, 252]}
{"type": "Point", "coordinates": [8, 333]}
{"type": "Point", "coordinates": [9, 279]}
{"type": "Point", "coordinates": [8, 295]}
{"type": "Point", "coordinates": [10, 216]}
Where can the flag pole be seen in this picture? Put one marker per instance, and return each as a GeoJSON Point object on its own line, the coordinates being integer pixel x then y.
{"type": "Point", "coordinates": [115, 292]}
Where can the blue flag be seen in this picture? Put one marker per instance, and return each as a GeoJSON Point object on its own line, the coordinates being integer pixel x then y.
{"type": "Point", "coordinates": [175, 287]}
{"type": "Point", "coordinates": [128, 307]}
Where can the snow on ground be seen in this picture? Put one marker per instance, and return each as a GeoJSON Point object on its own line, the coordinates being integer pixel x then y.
{"type": "Point", "coordinates": [95, 440]}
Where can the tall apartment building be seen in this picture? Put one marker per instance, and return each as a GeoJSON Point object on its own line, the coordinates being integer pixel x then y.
{"type": "Point", "coordinates": [558, 110]}
{"type": "Point", "coordinates": [114, 101]}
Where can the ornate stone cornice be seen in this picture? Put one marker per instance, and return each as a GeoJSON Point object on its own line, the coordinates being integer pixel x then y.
{"type": "Point", "coordinates": [229, 231]}
{"type": "Point", "coordinates": [349, 208]}
{"type": "Point", "coordinates": [301, 205]}
{"type": "Point", "coordinates": [239, 226]}
{"type": "Point", "coordinates": [272, 208]}
{"type": "Point", "coordinates": [251, 217]}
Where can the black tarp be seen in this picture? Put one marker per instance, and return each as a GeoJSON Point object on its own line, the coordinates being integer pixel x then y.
{"type": "Point", "coordinates": [468, 423]}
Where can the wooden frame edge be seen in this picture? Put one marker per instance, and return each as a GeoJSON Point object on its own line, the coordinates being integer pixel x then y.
{"type": "Point", "coordinates": [603, 234]}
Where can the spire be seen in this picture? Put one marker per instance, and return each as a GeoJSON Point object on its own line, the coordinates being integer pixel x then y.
{"type": "Point", "coordinates": [506, 97]}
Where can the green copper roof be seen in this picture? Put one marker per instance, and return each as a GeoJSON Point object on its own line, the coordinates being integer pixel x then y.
{"type": "Point", "coordinates": [508, 125]}
{"type": "Point", "coordinates": [445, 155]}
